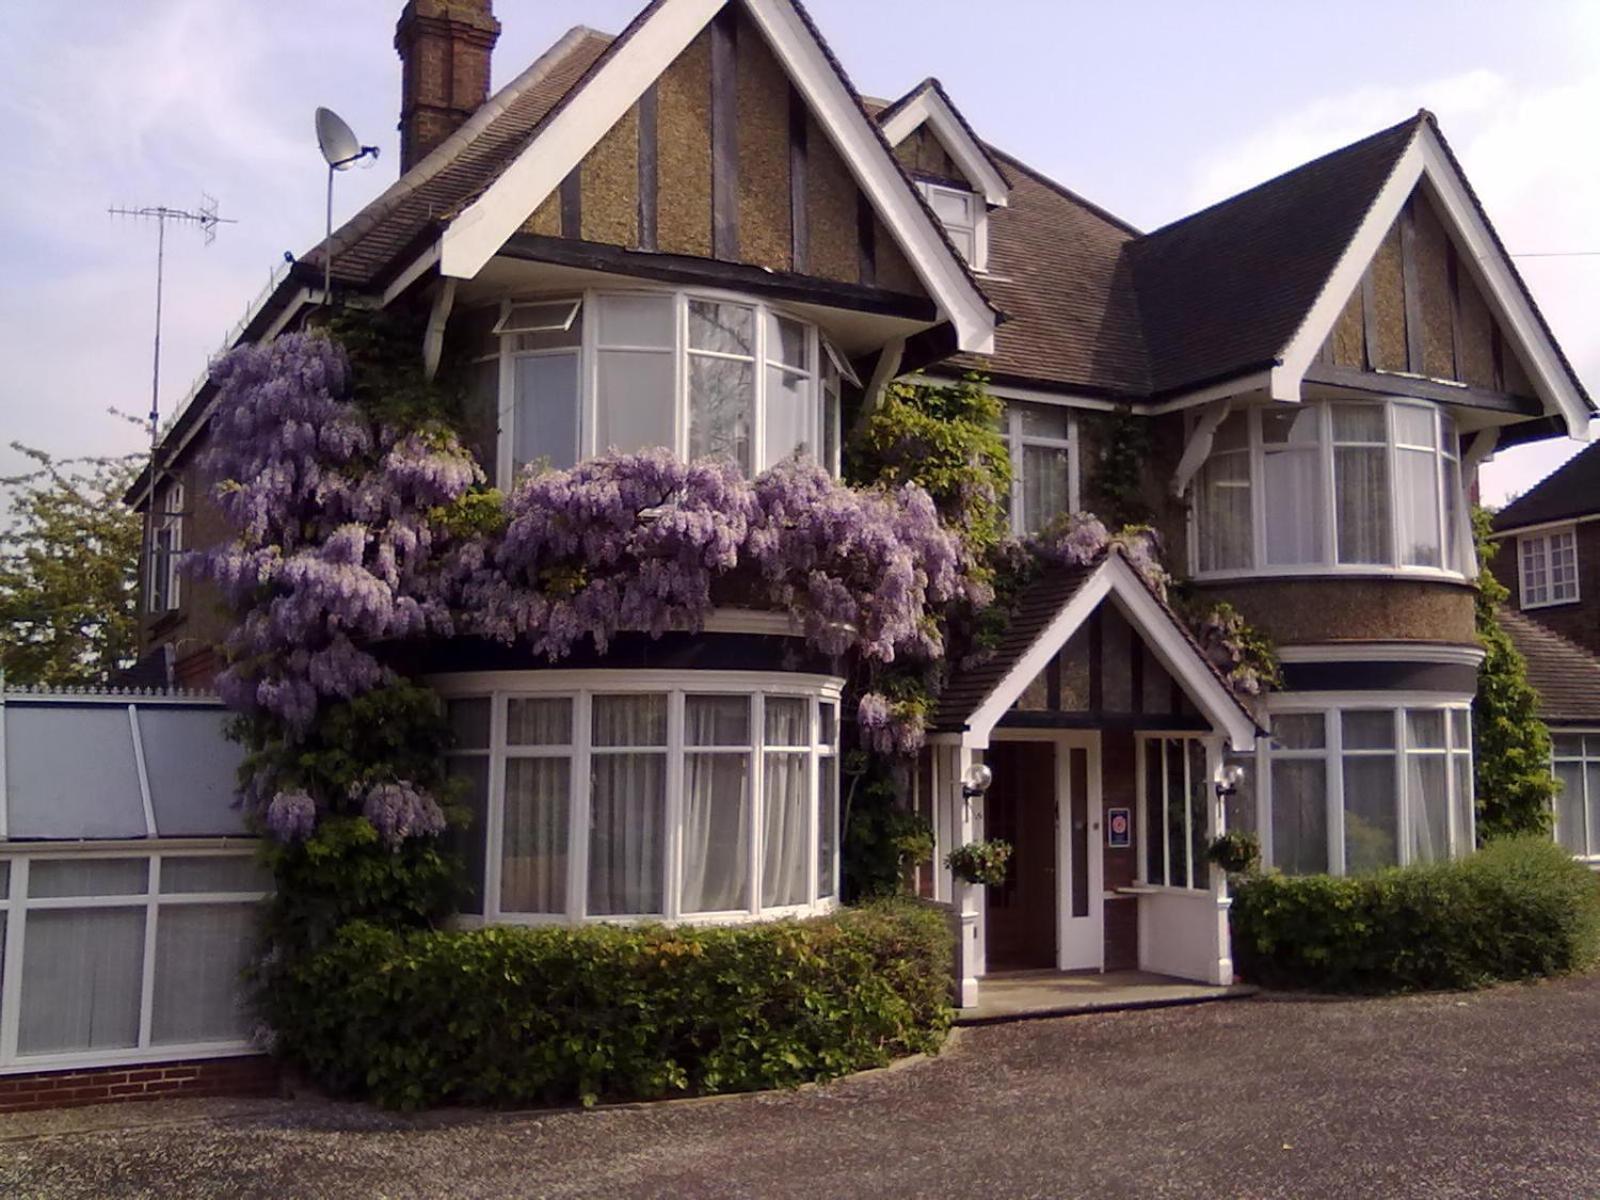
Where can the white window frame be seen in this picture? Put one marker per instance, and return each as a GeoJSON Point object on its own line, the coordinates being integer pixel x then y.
{"type": "Point", "coordinates": [978, 229]}
{"type": "Point", "coordinates": [1328, 563]}
{"type": "Point", "coordinates": [581, 687]}
{"type": "Point", "coordinates": [1201, 869]}
{"type": "Point", "coordinates": [1583, 759]}
{"type": "Point", "coordinates": [15, 905]}
{"type": "Point", "coordinates": [822, 371]}
{"type": "Point", "coordinates": [1017, 443]}
{"type": "Point", "coordinates": [163, 591]}
{"type": "Point", "coordinates": [1331, 706]}
{"type": "Point", "coordinates": [1537, 586]}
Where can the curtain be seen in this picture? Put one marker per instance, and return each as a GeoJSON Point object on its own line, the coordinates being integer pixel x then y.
{"type": "Point", "coordinates": [81, 979]}
{"type": "Point", "coordinates": [827, 823]}
{"type": "Point", "coordinates": [785, 843]}
{"type": "Point", "coordinates": [1293, 504]}
{"type": "Point", "coordinates": [1361, 497]}
{"type": "Point", "coordinates": [545, 427]}
{"type": "Point", "coordinates": [1044, 483]}
{"type": "Point", "coordinates": [1223, 499]}
{"type": "Point", "coordinates": [201, 951]}
{"type": "Point", "coordinates": [533, 859]}
{"type": "Point", "coordinates": [628, 807]}
{"type": "Point", "coordinates": [716, 805]}
{"type": "Point", "coordinates": [791, 415]}
{"type": "Point", "coordinates": [1371, 817]}
{"type": "Point", "coordinates": [1300, 815]}
{"type": "Point", "coordinates": [1428, 807]}
{"type": "Point", "coordinates": [1570, 808]}
{"type": "Point", "coordinates": [1417, 516]}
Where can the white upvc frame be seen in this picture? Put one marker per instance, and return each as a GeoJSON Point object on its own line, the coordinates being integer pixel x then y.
{"type": "Point", "coordinates": [1583, 759]}
{"type": "Point", "coordinates": [581, 687]}
{"type": "Point", "coordinates": [928, 106]}
{"type": "Point", "coordinates": [15, 905]}
{"type": "Point", "coordinates": [1545, 545]}
{"type": "Point", "coordinates": [163, 582]}
{"type": "Point", "coordinates": [1331, 706]}
{"type": "Point", "coordinates": [977, 228]}
{"type": "Point", "coordinates": [1325, 452]}
{"type": "Point", "coordinates": [1196, 870]}
{"type": "Point", "coordinates": [1017, 444]}
{"type": "Point", "coordinates": [588, 349]}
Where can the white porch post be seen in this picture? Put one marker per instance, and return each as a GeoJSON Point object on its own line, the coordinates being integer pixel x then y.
{"type": "Point", "coordinates": [966, 825]}
{"type": "Point", "coordinates": [1222, 964]}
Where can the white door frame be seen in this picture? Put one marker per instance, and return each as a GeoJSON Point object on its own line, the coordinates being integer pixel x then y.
{"type": "Point", "coordinates": [1080, 941]}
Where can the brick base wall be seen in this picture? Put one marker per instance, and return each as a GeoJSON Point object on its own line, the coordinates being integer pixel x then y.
{"type": "Point", "coordinates": [255, 1075]}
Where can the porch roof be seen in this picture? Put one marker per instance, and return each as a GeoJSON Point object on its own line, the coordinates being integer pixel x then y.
{"type": "Point", "coordinates": [1049, 611]}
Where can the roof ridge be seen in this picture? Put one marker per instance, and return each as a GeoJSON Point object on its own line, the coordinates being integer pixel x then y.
{"type": "Point", "coordinates": [1578, 462]}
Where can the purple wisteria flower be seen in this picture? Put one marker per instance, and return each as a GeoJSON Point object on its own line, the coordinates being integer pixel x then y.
{"type": "Point", "coordinates": [399, 811]}
{"type": "Point", "coordinates": [291, 816]}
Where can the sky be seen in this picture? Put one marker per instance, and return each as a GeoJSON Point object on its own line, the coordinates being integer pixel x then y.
{"type": "Point", "coordinates": [1150, 108]}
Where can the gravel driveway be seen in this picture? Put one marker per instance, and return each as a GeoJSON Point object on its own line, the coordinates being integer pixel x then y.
{"type": "Point", "coordinates": [1480, 1095]}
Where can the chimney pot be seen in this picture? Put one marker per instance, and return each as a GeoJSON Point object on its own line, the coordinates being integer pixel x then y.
{"type": "Point", "coordinates": [445, 48]}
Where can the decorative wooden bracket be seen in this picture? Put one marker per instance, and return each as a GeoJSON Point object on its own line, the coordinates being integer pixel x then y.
{"type": "Point", "coordinates": [1199, 446]}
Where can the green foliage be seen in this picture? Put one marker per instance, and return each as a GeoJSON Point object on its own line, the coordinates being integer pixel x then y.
{"type": "Point", "coordinates": [69, 567]}
{"type": "Point", "coordinates": [1238, 852]}
{"type": "Point", "coordinates": [983, 863]}
{"type": "Point", "coordinates": [387, 372]}
{"type": "Point", "coordinates": [555, 1014]}
{"type": "Point", "coordinates": [1116, 482]}
{"type": "Point", "coordinates": [947, 440]}
{"type": "Point", "coordinates": [1510, 745]}
{"type": "Point", "coordinates": [883, 839]}
{"type": "Point", "coordinates": [1518, 909]}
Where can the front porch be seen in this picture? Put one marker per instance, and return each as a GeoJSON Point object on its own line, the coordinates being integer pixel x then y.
{"type": "Point", "coordinates": [1025, 995]}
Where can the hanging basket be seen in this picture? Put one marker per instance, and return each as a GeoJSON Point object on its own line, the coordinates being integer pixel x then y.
{"type": "Point", "coordinates": [982, 863]}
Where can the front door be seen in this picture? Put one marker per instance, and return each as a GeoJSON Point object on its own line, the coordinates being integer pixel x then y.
{"type": "Point", "coordinates": [1020, 808]}
{"type": "Point", "coordinates": [1082, 858]}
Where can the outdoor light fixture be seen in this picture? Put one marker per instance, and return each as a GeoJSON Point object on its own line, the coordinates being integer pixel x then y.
{"type": "Point", "coordinates": [976, 781]}
{"type": "Point", "coordinates": [1228, 779]}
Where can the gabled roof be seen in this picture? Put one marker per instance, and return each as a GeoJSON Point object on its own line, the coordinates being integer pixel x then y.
{"type": "Point", "coordinates": [1566, 676]}
{"type": "Point", "coordinates": [1573, 490]}
{"type": "Point", "coordinates": [1048, 612]}
{"type": "Point", "coordinates": [928, 103]}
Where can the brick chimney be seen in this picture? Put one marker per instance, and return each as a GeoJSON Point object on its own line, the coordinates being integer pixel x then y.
{"type": "Point", "coordinates": [444, 50]}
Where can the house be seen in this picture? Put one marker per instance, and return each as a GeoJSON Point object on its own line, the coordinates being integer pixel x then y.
{"type": "Point", "coordinates": [697, 235]}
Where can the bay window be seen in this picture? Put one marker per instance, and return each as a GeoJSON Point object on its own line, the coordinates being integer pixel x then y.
{"type": "Point", "coordinates": [702, 376]}
{"type": "Point", "coordinates": [1355, 789]}
{"type": "Point", "coordinates": [1332, 487]}
{"type": "Point", "coordinates": [658, 801]}
{"type": "Point", "coordinates": [1577, 769]}
{"type": "Point", "coordinates": [1547, 568]}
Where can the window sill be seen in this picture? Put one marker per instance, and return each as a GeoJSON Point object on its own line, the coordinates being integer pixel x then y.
{"type": "Point", "coordinates": [1552, 604]}
{"type": "Point", "coordinates": [1403, 574]}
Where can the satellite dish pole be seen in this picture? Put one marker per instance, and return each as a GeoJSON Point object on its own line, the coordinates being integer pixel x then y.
{"type": "Point", "coordinates": [341, 149]}
{"type": "Point", "coordinates": [204, 217]}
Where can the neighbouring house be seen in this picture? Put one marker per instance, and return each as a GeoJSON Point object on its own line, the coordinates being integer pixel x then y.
{"type": "Point", "coordinates": [697, 235]}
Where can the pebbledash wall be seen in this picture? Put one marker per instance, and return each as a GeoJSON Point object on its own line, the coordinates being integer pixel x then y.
{"type": "Point", "coordinates": [129, 900]}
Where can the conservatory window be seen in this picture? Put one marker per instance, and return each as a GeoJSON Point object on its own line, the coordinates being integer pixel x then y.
{"type": "Point", "coordinates": [669, 803]}
{"type": "Point", "coordinates": [1548, 564]}
{"type": "Point", "coordinates": [166, 547]}
{"type": "Point", "coordinates": [1177, 791]}
{"type": "Point", "coordinates": [700, 376]}
{"type": "Point", "coordinates": [1354, 790]}
{"type": "Point", "coordinates": [1577, 769]}
{"type": "Point", "coordinates": [1328, 487]}
{"type": "Point", "coordinates": [1039, 439]}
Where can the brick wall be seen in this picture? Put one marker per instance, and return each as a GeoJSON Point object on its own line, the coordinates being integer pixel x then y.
{"type": "Point", "coordinates": [254, 1075]}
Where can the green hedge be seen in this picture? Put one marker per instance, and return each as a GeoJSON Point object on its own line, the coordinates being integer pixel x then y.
{"type": "Point", "coordinates": [549, 1015]}
{"type": "Point", "coordinates": [1517, 909]}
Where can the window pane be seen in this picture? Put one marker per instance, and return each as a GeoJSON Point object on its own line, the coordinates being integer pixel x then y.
{"type": "Point", "coordinates": [1460, 728]}
{"type": "Point", "coordinates": [88, 877]}
{"type": "Point", "coordinates": [214, 873]}
{"type": "Point", "coordinates": [1570, 828]}
{"type": "Point", "coordinates": [635, 405]}
{"type": "Point", "coordinates": [716, 832]}
{"type": "Point", "coordinates": [1176, 825]}
{"type": "Point", "coordinates": [788, 343]}
{"type": "Point", "coordinates": [964, 240]}
{"type": "Point", "coordinates": [630, 720]}
{"type": "Point", "coordinates": [787, 723]}
{"type": "Point", "coordinates": [716, 720]}
{"type": "Point", "coordinates": [1045, 421]}
{"type": "Point", "coordinates": [201, 954]}
{"type": "Point", "coordinates": [1155, 815]}
{"type": "Point", "coordinates": [1417, 515]}
{"type": "Point", "coordinates": [1592, 782]}
{"type": "Point", "coordinates": [724, 328]}
{"type": "Point", "coordinates": [1414, 426]}
{"type": "Point", "coordinates": [950, 206]}
{"type": "Point", "coordinates": [546, 421]}
{"type": "Point", "coordinates": [1299, 816]}
{"type": "Point", "coordinates": [1044, 485]}
{"type": "Point", "coordinates": [533, 865]}
{"type": "Point", "coordinates": [829, 712]}
{"type": "Point", "coordinates": [471, 843]}
{"type": "Point", "coordinates": [1465, 837]}
{"type": "Point", "coordinates": [791, 417]}
{"type": "Point", "coordinates": [1563, 566]}
{"type": "Point", "coordinates": [1359, 423]}
{"type": "Point", "coordinates": [1294, 505]}
{"type": "Point", "coordinates": [1425, 729]}
{"type": "Point", "coordinates": [1568, 745]}
{"type": "Point", "coordinates": [785, 841]}
{"type": "Point", "coordinates": [1370, 814]}
{"type": "Point", "coordinates": [539, 722]}
{"type": "Point", "coordinates": [469, 721]}
{"type": "Point", "coordinates": [1535, 580]}
{"type": "Point", "coordinates": [1361, 488]}
{"type": "Point", "coordinates": [558, 316]}
{"type": "Point", "coordinates": [1222, 499]}
{"type": "Point", "coordinates": [1240, 808]}
{"type": "Point", "coordinates": [830, 419]}
{"type": "Point", "coordinates": [636, 321]}
{"type": "Point", "coordinates": [1299, 731]}
{"type": "Point", "coordinates": [1428, 804]}
{"type": "Point", "coordinates": [627, 834]}
{"type": "Point", "coordinates": [721, 404]}
{"type": "Point", "coordinates": [827, 823]}
{"type": "Point", "coordinates": [1455, 547]}
{"type": "Point", "coordinates": [1369, 730]}
{"type": "Point", "coordinates": [81, 978]}
{"type": "Point", "coordinates": [1199, 800]}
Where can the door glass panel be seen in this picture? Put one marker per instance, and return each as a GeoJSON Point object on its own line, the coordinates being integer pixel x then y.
{"type": "Point", "coordinates": [1078, 781]}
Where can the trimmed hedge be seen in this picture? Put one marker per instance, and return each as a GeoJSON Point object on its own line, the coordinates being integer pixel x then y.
{"type": "Point", "coordinates": [556, 1014]}
{"type": "Point", "coordinates": [1518, 909]}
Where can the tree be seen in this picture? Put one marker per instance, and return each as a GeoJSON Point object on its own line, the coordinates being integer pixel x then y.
{"type": "Point", "coordinates": [69, 565]}
{"type": "Point", "coordinates": [1511, 746]}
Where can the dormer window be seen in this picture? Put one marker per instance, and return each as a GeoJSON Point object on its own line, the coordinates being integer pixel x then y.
{"type": "Point", "coordinates": [965, 218]}
{"type": "Point", "coordinates": [700, 375]}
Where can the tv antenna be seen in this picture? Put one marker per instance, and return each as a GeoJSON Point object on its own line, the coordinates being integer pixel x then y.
{"type": "Point", "coordinates": [341, 149]}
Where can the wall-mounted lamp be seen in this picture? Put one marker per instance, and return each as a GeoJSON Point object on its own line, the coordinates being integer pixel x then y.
{"type": "Point", "coordinates": [975, 782]}
{"type": "Point", "coordinates": [1228, 779]}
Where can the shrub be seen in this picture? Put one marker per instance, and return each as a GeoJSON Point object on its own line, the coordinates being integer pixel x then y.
{"type": "Point", "coordinates": [1518, 909]}
{"type": "Point", "coordinates": [555, 1014]}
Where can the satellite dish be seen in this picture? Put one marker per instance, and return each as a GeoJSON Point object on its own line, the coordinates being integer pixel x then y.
{"type": "Point", "coordinates": [338, 140]}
